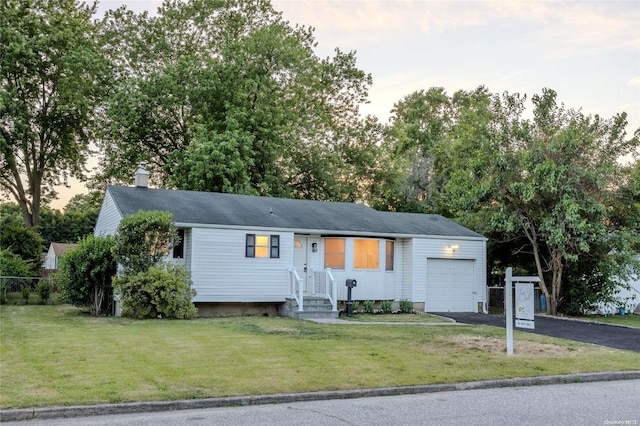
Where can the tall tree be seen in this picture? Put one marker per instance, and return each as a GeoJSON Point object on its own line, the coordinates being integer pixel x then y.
{"type": "Point", "coordinates": [53, 74]}
{"type": "Point", "coordinates": [550, 184]}
{"type": "Point", "coordinates": [548, 179]}
{"type": "Point", "coordinates": [227, 96]}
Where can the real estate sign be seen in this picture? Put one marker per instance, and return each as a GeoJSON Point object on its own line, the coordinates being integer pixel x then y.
{"type": "Point", "coordinates": [524, 305]}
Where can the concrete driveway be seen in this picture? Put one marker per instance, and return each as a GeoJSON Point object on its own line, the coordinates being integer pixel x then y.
{"type": "Point", "coordinates": [580, 331]}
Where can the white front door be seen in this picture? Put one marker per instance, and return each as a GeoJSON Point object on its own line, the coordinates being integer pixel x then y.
{"type": "Point", "coordinates": [301, 260]}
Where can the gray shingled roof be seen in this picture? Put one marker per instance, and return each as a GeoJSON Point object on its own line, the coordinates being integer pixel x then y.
{"type": "Point", "coordinates": [211, 208]}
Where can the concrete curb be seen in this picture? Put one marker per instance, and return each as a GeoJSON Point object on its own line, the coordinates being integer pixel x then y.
{"type": "Point", "coordinates": [154, 406]}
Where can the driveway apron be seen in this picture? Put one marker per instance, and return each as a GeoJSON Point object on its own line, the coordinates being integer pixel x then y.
{"type": "Point", "coordinates": [580, 331]}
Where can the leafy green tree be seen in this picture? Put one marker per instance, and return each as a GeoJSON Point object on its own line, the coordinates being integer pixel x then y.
{"type": "Point", "coordinates": [77, 220]}
{"type": "Point", "coordinates": [12, 265]}
{"type": "Point", "coordinates": [542, 187]}
{"type": "Point", "coordinates": [53, 76]}
{"type": "Point", "coordinates": [548, 179]}
{"type": "Point", "coordinates": [16, 238]}
{"type": "Point", "coordinates": [143, 239]}
{"type": "Point", "coordinates": [424, 147]}
{"type": "Point", "coordinates": [238, 103]}
{"type": "Point", "coordinates": [85, 274]}
{"type": "Point", "coordinates": [160, 292]}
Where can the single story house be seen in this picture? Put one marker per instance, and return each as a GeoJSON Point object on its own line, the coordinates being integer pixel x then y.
{"type": "Point", "coordinates": [288, 256]}
{"type": "Point", "coordinates": [55, 252]}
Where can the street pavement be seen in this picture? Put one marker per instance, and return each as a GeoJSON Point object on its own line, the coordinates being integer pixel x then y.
{"type": "Point", "coordinates": [595, 403]}
{"type": "Point", "coordinates": [581, 331]}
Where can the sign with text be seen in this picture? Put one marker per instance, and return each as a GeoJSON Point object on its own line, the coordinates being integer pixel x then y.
{"type": "Point", "coordinates": [524, 305]}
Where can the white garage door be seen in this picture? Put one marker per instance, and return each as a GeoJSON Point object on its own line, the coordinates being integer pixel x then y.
{"type": "Point", "coordinates": [449, 285]}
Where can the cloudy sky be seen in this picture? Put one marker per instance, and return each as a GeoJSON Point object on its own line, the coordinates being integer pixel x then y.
{"type": "Point", "coordinates": [587, 51]}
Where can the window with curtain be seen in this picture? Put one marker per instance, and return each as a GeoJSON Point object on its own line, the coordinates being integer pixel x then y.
{"type": "Point", "coordinates": [334, 253]}
{"type": "Point", "coordinates": [262, 246]}
{"type": "Point", "coordinates": [366, 254]}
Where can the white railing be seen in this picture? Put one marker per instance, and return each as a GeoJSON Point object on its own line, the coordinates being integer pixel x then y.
{"type": "Point", "coordinates": [324, 284]}
{"type": "Point", "coordinates": [296, 288]}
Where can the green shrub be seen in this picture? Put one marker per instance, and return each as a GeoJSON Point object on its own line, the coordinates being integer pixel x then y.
{"type": "Point", "coordinates": [26, 292]}
{"type": "Point", "coordinates": [44, 290]}
{"type": "Point", "coordinates": [160, 292]}
{"type": "Point", "coordinates": [367, 306]}
{"type": "Point", "coordinates": [385, 306]}
{"type": "Point", "coordinates": [12, 265]}
{"type": "Point", "coordinates": [143, 239]}
{"type": "Point", "coordinates": [85, 274]}
{"type": "Point", "coordinates": [355, 307]}
{"type": "Point", "coordinates": [406, 307]}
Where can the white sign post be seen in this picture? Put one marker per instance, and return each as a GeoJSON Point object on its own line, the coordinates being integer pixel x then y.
{"type": "Point", "coordinates": [524, 304]}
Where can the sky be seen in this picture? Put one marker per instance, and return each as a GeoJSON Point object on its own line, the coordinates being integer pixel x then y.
{"type": "Point", "coordinates": [587, 51]}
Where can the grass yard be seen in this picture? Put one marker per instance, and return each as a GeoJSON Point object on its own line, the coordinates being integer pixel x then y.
{"type": "Point", "coordinates": [56, 355]}
{"type": "Point", "coordinates": [629, 319]}
{"type": "Point", "coordinates": [399, 318]}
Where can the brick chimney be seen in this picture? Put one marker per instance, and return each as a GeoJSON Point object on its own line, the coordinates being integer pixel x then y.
{"type": "Point", "coordinates": [142, 176]}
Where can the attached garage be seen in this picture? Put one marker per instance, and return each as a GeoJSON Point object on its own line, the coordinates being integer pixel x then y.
{"type": "Point", "coordinates": [450, 285]}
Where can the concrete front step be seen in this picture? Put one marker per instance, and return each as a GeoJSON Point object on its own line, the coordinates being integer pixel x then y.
{"type": "Point", "coordinates": [314, 307]}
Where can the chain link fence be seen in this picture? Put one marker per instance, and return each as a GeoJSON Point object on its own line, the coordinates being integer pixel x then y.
{"type": "Point", "coordinates": [26, 290]}
{"type": "Point", "coordinates": [495, 296]}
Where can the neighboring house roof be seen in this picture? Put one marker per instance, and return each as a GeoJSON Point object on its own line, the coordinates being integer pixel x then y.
{"type": "Point", "coordinates": [233, 210]}
{"type": "Point", "coordinates": [60, 248]}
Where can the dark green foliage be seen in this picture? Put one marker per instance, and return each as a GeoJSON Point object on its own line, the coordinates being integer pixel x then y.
{"type": "Point", "coordinates": [44, 290]}
{"type": "Point", "coordinates": [143, 239]}
{"type": "Point", "coordinates": [86, 272]}
{"type": "Point", "coordinates": [76, 221]}
{"type": "Point", "coordinates": [53, 74]}
{"type": "Point", "coordinates": [406, 307]}
{"type": "Point", "coordinates": [245, 106]}
{"type": "Point", "coordinates": [385, 306]}
{"type": "Point", "coordinates": [26, 292]}
{"type": "Point", "coordinates": [549, 191]}
{"type": "Point", "coordinates": [23, 242]}
{"type": "Point", "coordinates": [159, 292]}
{"type": "Point", "coordinates": [367, 306]}
{"type": "Point", "coordinates": [12, 265]}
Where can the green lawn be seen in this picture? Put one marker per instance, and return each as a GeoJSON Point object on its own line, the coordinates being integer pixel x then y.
{"type": "Point", "coordinates": [629, 319]}
{"type": "Point", "coordinates": [401, 318]}
{"type": "Point", "coordinates": [56, 355]}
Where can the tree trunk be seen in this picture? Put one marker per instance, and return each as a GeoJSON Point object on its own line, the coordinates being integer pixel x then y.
{"type": "Point", "coordinates": [531, 234]}
{"type": "Point", "coordinates": [556, 283]}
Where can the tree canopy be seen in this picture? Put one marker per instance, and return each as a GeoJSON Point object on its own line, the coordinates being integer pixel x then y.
{"type": "Point", "coordinates": [228, 97]}
{"type": "Point", "coordinates": [546, 182]}
{"type": "Point", "coordinates": [53, 77]}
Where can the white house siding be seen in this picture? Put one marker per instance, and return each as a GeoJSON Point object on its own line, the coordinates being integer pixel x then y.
{"type": "Point", "coordinates": [109, 217]}
{"type": "Point", "coordinates": [221, 273]}
{"type": "Point", "coordinates": [51, 261]}
{"type": "Point", "coordinates": [372, 284]}
{"type": "Point", "coordinates": [316, 259]}
{"type": "Point", "coordinates": [407, 261]}
{"type": "Point", "coordinates": [393, 279]}
{"type": "Point", "coordinates": [440, 249]}
{"type": "Point", "coordinates": [186, 254]}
